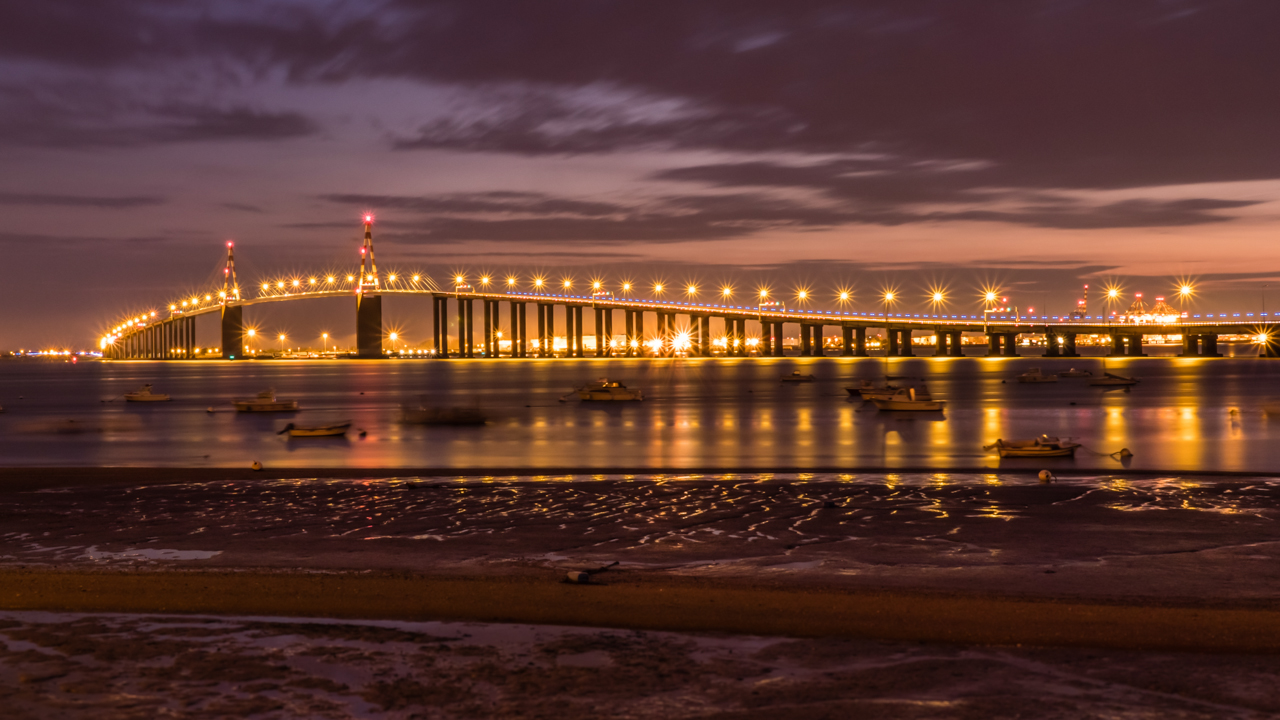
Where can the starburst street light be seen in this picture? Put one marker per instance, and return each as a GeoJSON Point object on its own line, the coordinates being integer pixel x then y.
{"type": "Point", "coordinates": [802, 295]}
{"type": "Point", "coordinates": [691, 290]}
{"type": "Point", "coordinates": [657, 288]}
{"type": "Point", "coordinates": [726, 292]}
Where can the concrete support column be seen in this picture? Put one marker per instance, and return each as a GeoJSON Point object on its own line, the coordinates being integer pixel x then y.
{"type": "Point", "coordinates": [640, 333]}
{"type": "Point", "coordinates": [369, 326]}
{"type": "Point", "coordinates": [523, 316]}
{"type": "Point", "coordinates": [905, 349]}
{"type": "Point", "coordinates": [608, 332]}
{"type": "Point", "coordinates": [1011, 345]}
{"type": "Point", "coordinates": [599, 328]}
{"type": "Point", "coordinates": [629, 319]}
{"type": "Point", "coordinates": [860, 342]}
{"type": "Point", "coordinates": [819, 335]}
{"type": "Point", "coordinates": [704, 335]}
{"type": "Point", "coordinates": [993, 344]}
{"type": "Point", "coordinates": [891, 335]}
{"type": "Point", "coordinates": [1052, 348]}
{"type": "Point", "coordinates": [1069, 346]}
{"type": "Point", "coordinates": [1117, 345]}
{"type": "Point", "coordinates": [1190, 345]}
{"type": "Point", "coordinates": [740, 332]}
{"type": "Point", "coordinates": [805, 348]}
{"type": "Point", "coordinates": [846, 341]}
{"type": "Point", "coordinates": [232, 332]}
{"type": "Point", "coordinates": [939, 343]}
{"type": "Point", "coordinates": [1209, 345]}
{"type": "Point", "coordinates": [1135, 345]}
{"type": "Point", "coordinates": [487, 324]}
{"type": "Point", "coordinates": [577, 313]}
{"type": "Point", "coordinates": [570, 333]}
{"type": "Point", "coordinates": [437, 328]}
{"type": "Point", "coordinates": [957, 343]}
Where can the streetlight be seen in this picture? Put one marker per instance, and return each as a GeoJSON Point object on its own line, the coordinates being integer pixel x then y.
{"type": "Point", "coordinates": [281, 343]}
{"type": "Point", "coordinates": [889, 296]}
{"type": "Point", "coordinates": [324, 337]}
{"type": "Point", "coordinates": [726, 292]}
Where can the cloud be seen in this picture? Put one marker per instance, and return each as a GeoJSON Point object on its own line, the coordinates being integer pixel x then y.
{"type": "Point", "coordinates": [114, 203]}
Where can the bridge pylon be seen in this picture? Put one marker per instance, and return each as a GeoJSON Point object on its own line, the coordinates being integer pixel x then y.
{"type": "Point", "coordinates": [232, 311]}
{"type": "Point", "coordinates": [368, 300]}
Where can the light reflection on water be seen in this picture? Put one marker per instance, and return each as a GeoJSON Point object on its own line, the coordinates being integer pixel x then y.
{"type": "Point", "coordinates": [1187, 415]}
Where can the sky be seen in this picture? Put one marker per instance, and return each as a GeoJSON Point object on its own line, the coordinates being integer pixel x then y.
{"type": "Point", "coordinates": [1032, 146]}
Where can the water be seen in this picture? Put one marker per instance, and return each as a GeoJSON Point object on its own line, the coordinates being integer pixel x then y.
{"type": "Point", "coordinates": [1188, 415]}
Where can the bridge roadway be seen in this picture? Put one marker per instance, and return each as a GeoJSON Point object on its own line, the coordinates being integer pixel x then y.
{"type": "Point", "coordinates": [173, 338]}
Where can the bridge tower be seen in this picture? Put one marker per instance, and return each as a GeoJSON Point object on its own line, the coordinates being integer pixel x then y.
{"type": "Point", "coordinates": [232, 311]}
{"type": "Point", "coordinates": [368, 301]}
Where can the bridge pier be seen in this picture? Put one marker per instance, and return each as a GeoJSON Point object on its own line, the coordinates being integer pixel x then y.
{"type": "Point", "coordinates": [806, 349]}
{"type": "Point", "coordinates": [740, 334]}
{"type": "Point", "coordinates": [1209, 345]}
{"type": "Point", "coordinates": [1069, 345]}
{"type": "Point", "coordinates": [368, 326]}
{"type": "Point", "coordinates": [704, 335]}
{"type": "Point", "coordinates": [232, 332]}
{"type": "Point", "coordinates": [1002, 344]}
{"type": "Point", "coordinates": [578, 334]}
{"type": "Point", "coordinates": [956, 348]}
{"type": "Point", "coordinates": [1201, 345]}
{"type": "Point", "coordinates": [776, 331]}
{"type": "Point", "coordinates": [1053, 347]}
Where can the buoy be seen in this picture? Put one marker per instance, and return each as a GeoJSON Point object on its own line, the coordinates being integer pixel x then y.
{"type": "Point", "coordinates": [580, 577]}
{"type": "Point", "coordinates": [1046, 476]}
{"type": "Point", "coordinates": [210, 409]}
{"type": "Point", "coordinates": [1122, 452]}
{"type": "Point", "coordinates": [256, 465]}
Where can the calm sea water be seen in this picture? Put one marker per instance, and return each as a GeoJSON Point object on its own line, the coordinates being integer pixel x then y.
{"type": "Point", "coordinates": [1187, 415]}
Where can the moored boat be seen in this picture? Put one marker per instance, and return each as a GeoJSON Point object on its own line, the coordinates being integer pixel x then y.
{"type": "Point", "coordinates": [607, 390]}
{"type": "Point", "coordinates": [1043, 446]}
{"type": "Point", "coordinates": [265, 401]}
{"type": "Point", "coordinates": [870, 391]}
{"type": "Point", "coordinates": [1112, 380]}
{"type": "Point", "coordinates": [1035, 376]}
{"type": "Point", "coordinates": [909, 399]}
{"type": "Point", "coordinates": [144, 394]}
{"type": "Point", "coordinates": [337, 430]}
{"type": "Point", "coordinates": [796, 377]}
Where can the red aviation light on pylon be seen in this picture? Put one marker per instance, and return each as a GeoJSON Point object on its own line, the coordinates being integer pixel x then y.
{"type": "Point", "coordinates": [368, 218]}
{"type": "Point", "coordinates": [361, 251]}
{"type": "Point", "coordinates": [231, 243]}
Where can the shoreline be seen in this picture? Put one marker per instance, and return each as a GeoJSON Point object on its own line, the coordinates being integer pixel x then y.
{"type": "Point", "coordinates": [627, 601]}
{"type": "Point", "coordinates": [22, 479]}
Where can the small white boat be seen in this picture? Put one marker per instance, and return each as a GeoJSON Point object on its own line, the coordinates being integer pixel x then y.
{"type": "Point", "coordinates": [796, 377]}
{"type": "Point", "coordinates": [422, 415]}
{"type": "Point", "coordinates": [144, 394]}
{"type": "Point", "coordinates": [1035, 376]}
{"type": "Point", "coordinates": [1111, 380]}
{"type": "Point", "coordinates": [1043, 446]}
{"type": "Point", "coordinates": [264, 401]}
{"type": "Point", "coordinates": [606, 390]}
{"type": "Point", "coordinates": [1075, 373]}
{"type": "Point", "coordinates": [318, 431]}
{"type": "Point", "coordinates": [909, 399]}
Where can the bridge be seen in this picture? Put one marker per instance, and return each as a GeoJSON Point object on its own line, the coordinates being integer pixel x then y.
{"type": "Point", "coordinates": [161, 335]}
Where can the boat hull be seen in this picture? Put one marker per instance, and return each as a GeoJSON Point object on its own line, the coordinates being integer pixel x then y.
{"type": "Point", "coordinates": [913, 405]}
{"type": "Point", "coordinates": [1038, 452]}
{"type": "Point", "coordinates": [260, 407]}
{"type": "Point", "coordinates": [147, 398]}
{"type": "Point", "coordinates": [329, 431]}
{"type": "Point", "coordinates": [601, 396]}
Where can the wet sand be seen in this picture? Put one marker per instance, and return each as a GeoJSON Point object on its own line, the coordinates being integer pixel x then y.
{"type": "Point", "coordinates": [144, 666]}
{"type": "Point", "coordinates": [651, 602]}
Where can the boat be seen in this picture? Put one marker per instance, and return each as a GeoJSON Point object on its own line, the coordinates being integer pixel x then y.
{"type": "Point", "coordinates": [1112, 380]}
{"type": "Point", "coordinates": [605, 389]}
{"type": "Point", "coordinates": [144, 394]}
{"type": "Point", "coordinates": [796, 377]}
{"type": "Point", "coordinates": [264, 401]}
{"type": "Point", "coordinates": [1075, 373]}
{"type": "Point", "coordinates": [318, 431]}
{"type": "Point", "coordinates": [909, 399]}
{"type": "Point", "coordinates": [1043, 446]}
{"type": "Point", "coordinates": [422, 415]}
{"type": "Point", "coordinates": [870, 391]}
{"type": "Point", "coordinates": [1035, 376]}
